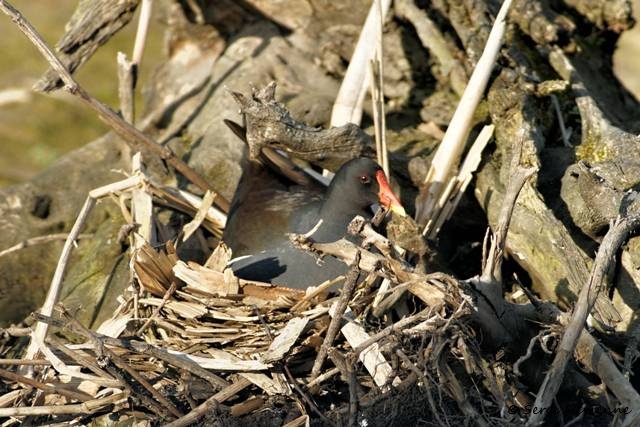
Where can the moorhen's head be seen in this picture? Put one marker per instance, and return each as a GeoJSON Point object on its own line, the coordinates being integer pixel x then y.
{"type": "Point", "coordinates": [360, 183]}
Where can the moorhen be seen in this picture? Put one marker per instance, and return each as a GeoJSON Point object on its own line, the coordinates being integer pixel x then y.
{"type": "Point", "coordinates": [357, 185]}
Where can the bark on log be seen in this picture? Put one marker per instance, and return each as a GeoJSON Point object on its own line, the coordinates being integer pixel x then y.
{"type": "Point", "coordinates": [92, 25]}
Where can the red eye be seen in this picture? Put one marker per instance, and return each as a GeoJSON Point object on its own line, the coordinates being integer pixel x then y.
{"type": "Point", "coordinates": [365, 179]}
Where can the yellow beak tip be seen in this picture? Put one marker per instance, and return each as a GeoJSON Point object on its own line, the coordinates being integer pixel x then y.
{"type": "Point", "coordinates": [398, 209]}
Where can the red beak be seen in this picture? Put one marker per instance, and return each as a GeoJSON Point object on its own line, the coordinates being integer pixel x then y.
{"type": "Point", "coordinates": [386, 196]}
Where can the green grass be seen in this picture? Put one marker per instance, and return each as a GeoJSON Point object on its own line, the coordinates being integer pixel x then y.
{"type": "Point", "coordinates": [35, 133]}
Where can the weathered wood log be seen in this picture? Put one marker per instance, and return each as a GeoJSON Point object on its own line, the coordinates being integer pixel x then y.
{"type": "Point", "coordinates": [269, 124]}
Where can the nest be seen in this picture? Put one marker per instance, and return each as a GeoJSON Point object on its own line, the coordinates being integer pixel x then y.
{"type": "Point", "coordinates": [193, 342]}
{"type": "Point", "coordinates": [384, 343]}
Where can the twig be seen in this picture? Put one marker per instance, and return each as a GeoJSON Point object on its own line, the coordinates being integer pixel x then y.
{"type": "Point", "coordinates": [346, 369]}
{"type": "Point", "coordinates": [269, 124]}
{"type": "Point", "coordinates": [448, 153]}
{"type": "Point", "coordinates": [332, 331]}
{"type": "Point", "coordinates": [377, 101]}
{"type": "Point", "coordinates": [40, 332]}
{"type": "Point", "coordinates": [395, 328]}
{"type": "Point", "coordinates": [305, 397]}
{"type": "Point", "coordinates": [117, 361]}
{"type": "Point", "coordinates": [518, 177]}
{"type": "Point", "coordinates": [79, 357]}
{"type": "Point", "coordinates": [141, 347]}
{"type": "Point", "coordinates": [383, 155]}
{"type": "Point", "coordinates": [125, 130]}
{"type": "Point", "coordinates": [142, 213]}
{"type": "Point", "coordinates": [101, 349]}
{"type": "Point", "coordinates": [342, 249]}
{"type": "Point", "coordinates": [39, 240]}
{"type": "Point", "coordinates": [211, 403]}
{"type": "Point", "coordinates": [592, 355]}
{"type": "Point", "coordinates": [563, 129]}
{"type": "Point", "coordinates": [361, 227]}
{"type": "Point", "coordinates": [457, 392]}
{"type": "Point", "coordinates": [405, 359]}
{"type": "Point", "coordinates": [457, 186]}
{"type": "Point", "coordinates": [12, 397]}
{"type": "Point", "coordinates": [602, 266]}
{"type": "Point", "coordinates": [527, 355]}
{"type": "Point", "coordinates": [323, 377]}
{"type": "Point", "coordinates": [156, 312]}
{"type": "Point", "coordinates": [199, 217]}
{"type": "Point", "coordinates": [49, 389]}
{"type": "Point", "coordinates": [304, 302]}
{"type": "Point", "coordinates": [128, 71]}
{"type": "Point", "coordinates": [141, 33]}
{"type": "Point", "coordinates": [39, 362]}
{"type": "Point", "coordinates": [102, 378]}
{"type": "Point", "coordinates": [347, 107]}
{"type": "Point", "coordinates": [87, 407]}
{"type": "Point", "coordinates": [126, 87]}
{"type": "Point", "coordinates": [377, 93]}
{"type": "Point", "coordinates": [38, 336]}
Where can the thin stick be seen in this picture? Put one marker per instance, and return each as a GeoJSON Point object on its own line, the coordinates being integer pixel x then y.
{"type": "Point", "coordinates": [604, 262]}
{"type": "Point", "coordinates": [383, 119]}
{"type": "Point", "coordinates": [141, 347]}
{"type": "Point", "coordinates": [449, 150]}
{"type": "Point", "coordinates": [49, 389]}
{"type": "Point", "coordinates": [425, 381]}
{"type": "Point", "coordinates": [88, 407]}
{"type": "Point", "coordinates": [518, 177]}
{"type": "Point", "coordinates": [323, 377]}
{"type": "Point", "coordinates": [39, 240]}
{"type": "Point", "coordinates": [450, 200]}
{"type": "Point", "coordinates": [527, 355]}
{"type": "Point", "coordinates": [79, 357]}
{"type": "Point", "coordinates": [395, 328]}
{"type": "Point", "coordinates": [39, 362]}
{"type": "Point", "coordinates": [128, 70]}
{"type": "Point", "coordinates": [598, 360]}
{"type": "Point", "coordinates": [126, 87]}
{"type": "Point", "coordinates": [306, 397]}
{"type": "Point", "coordinates": [156, 312]}
{"type": "Point", "coordinates": [377, 95]}
{"type": "Point", "coordinates": [40, 332]}
{"type": "Point", "coordinates": [348, 105]}
{"type": "Point", "coordinates": [304, 302]}
{"type": "Point", "coordinates": [332, 331]}
{"type": "Point", "coordinates": [98, 343]}
{"type": "Point", "coordinates": [375, 103]}
{"type": "Point", "coordinates": [141, 33]}
{"type": "Point", "coordinates": [563, 128]}
{"type": "Point", "coordinates": [211, 403]}
{"type": "Point", "coordinates": [125, 130]}
{"type": "Point", "coordinates": [346, 369]}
